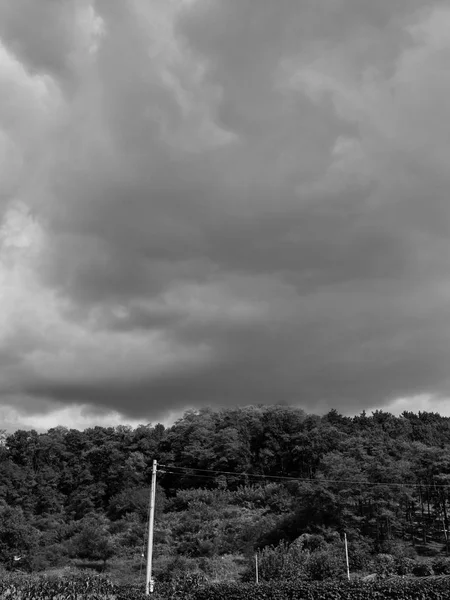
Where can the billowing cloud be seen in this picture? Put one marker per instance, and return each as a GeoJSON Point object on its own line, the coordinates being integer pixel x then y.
{"type": "Point", "coordinates": [223, 202]}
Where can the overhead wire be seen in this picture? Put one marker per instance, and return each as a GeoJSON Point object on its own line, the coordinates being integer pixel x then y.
{"type": "Point", "coordinates": [212, 473]}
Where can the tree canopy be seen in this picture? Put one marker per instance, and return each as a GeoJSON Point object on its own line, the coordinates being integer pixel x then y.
{"type": "Point", "coordinates": [232, 481]}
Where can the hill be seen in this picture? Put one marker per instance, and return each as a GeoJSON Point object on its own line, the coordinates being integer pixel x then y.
{"type": "Point", "coordinates": [230, 482]}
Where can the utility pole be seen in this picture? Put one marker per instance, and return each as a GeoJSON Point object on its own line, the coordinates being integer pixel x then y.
{"type": "Point", "coordinates": [256, 568]}
{"type": "Point", "coordinates": [346, 556]}
{"type": "Point", "coordinates": [149, 580]}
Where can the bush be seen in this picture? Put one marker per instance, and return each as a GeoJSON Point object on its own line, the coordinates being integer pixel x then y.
{"type": "Point", "coordinates": [360, 552]}
{"type": "Point", "coordinates": [404, 565]}
{"type": "Point", "coordinates": [227, 567]}
{"type": "Point", "coordinates": [310, 557]}
{"type": "Point", "coordinates": [174, 568]}
{"type": "Point", "coordinates": [441, 566]}
{"type": "Point", "coordinates": [54, 556]}
{"type": "Point", "coordinates": [400, 549]}
{"type": "Point", "coordinates": [93, 542]}
{"type": "Point", "coordinates": [423, 570]}
{"type": "Point", "coordinates": [325, 564]}
{"type": "Point", "coordinates": [278, 563]}
{"type": "Point", "coordinates": [384, 565]}
{"type": "Point", "coordinates": [309, 542]}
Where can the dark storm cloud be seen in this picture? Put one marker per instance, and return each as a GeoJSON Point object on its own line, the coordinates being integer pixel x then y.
{"type": "Point", "coordinates": [319, 364]}
{"type": "Point", "coordinates": [235, 202]}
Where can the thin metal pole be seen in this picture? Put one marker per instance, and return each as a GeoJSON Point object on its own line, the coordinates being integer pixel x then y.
{"type": "Point", "coordinates": [149, 580]}
{"type": "Point", "coordinates": [256, 569]}
{"type": "Point", "coordinates": [346, 556]}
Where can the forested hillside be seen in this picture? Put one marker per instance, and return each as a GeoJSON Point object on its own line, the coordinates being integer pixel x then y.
{"type": "Point", "coordinates": [230, 482]}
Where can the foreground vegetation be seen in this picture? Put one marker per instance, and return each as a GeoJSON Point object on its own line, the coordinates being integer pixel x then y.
{"type": "Point", "coordinates": [267, 480]}
{"type": "Point", "coordinates": [30, 587]}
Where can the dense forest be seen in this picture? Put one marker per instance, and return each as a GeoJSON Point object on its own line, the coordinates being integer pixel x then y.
{"type": "Point", "coordinates": [233, 482]}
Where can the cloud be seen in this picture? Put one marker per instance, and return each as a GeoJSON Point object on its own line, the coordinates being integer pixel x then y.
{"type": "Point", "coordinates": [222, 202]}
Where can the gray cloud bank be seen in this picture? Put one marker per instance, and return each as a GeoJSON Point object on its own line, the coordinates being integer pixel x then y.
{"type": "Point", "coordinates": [223, 202]}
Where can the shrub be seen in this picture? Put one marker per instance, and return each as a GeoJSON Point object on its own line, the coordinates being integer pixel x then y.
{"type": "Point", "coordinates": [227, 567]}
{"type": "Point", "coordinates": [93, 542]}
{"type": "Point", "coordinates": [310, 557]}
{"type": "Point", "coordinates": [400, 549]}
{"type": "Point", "coordinates": [441, 566]}
{"type": "Point", "coordinates": [404, 565]}
{"type": "Point", "coordinates": [309, 542]}
{"type": "Point", "coordinates": [277, 563]}
{"type": "Point", "coordinates": [52, 556]}
{"type": "Point", "coordinates": [169, 569]}
{"type": "Point", "coordinates": [423, 570]}
{"type": "Point", "coordinates": [325, 564]}
{"type": "Point", "coordinates": [360, 552]}
{"type": "Point", "coordinates": [384, 565]}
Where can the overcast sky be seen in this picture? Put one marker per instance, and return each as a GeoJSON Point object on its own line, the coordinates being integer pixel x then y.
{"type": "Point", "coordinates": [222, 202]}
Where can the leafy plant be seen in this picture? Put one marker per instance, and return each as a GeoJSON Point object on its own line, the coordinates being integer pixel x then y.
{"type": "Point", "coordinates": [384, 565]}
{"type": "Point", "coordinates": [404, 565]}
{"type": "Point", "coordinates": [441, 566]}
{"type": "Point", "coordinates": [423, 570]}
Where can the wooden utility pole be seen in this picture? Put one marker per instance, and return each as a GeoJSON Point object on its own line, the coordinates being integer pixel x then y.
{"type": "Point", "coordinates": [149, 584]}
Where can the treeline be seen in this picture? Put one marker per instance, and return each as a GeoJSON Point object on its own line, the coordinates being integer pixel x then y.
{"type": "Point", "coordinates": [230, 482]}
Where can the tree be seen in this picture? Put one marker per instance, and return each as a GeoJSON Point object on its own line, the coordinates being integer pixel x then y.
{"type": "Point", "coordinates": [93, 542]}
{"type": "Point", "coordinates": [18, 539]}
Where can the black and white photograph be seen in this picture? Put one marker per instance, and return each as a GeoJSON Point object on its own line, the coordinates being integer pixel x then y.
{"type": "Point", "coordinates": [224, 299]}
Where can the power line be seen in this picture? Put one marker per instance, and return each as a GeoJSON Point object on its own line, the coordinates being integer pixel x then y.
{"type": "Point", "coordinates": [212, 473]}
